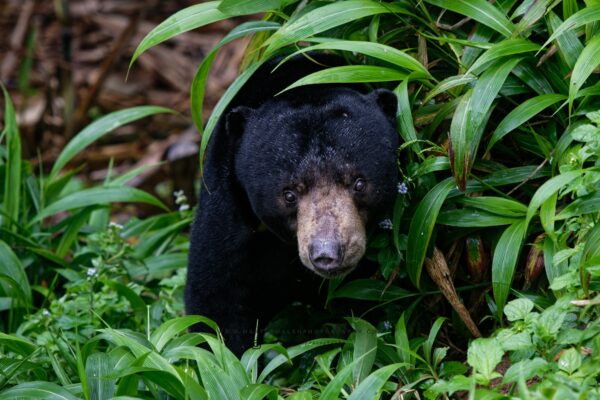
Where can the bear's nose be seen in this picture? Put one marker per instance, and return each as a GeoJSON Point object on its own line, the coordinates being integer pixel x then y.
{"type": "Point", "coordinates": [325, 254]}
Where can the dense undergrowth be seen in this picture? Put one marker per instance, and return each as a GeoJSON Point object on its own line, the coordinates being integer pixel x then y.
{"type": "Point", "coordinates": [499, 109]}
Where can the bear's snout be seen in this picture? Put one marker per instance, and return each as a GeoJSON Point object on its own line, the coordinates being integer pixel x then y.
{"type": "Point", "coordinates": [325, 255]}
{"type": "Point", "coordinates": [331, 233]}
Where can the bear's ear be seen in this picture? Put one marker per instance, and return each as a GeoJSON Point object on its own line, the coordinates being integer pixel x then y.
{"type": "Point", "coordinates": [387, 101]}
{"type": "Point", "coordinates": [235, 121]}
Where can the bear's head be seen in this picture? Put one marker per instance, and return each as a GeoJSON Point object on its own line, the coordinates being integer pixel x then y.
{"type": "Point", "coordinates": [319, 164]}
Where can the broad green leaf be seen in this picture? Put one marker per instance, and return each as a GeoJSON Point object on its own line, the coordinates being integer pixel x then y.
{"type": "Point", "coordinates": [243, 7]}
{"type": "Point", "coordinates": [525, 369]}
{"type": "Point", "coordinates": [505, 48]}
{"type": "Point", "coordinates": [199, 83]}
{"type": "Point", "coordinates": [371, 49]}
{"type": "Point", "coordinates": [327, 17]}
{"type": "Point", "coordinates": [432, 164]}
{"type": "Point", "coordinates": [523, 113]}
{"type": "Point", "coordinates": [334, 388]}
{"type": "Point", "coordinates": [504, 262]}
{"type": "Point", "coordinates": [372, 385]}
{"type": "Point", "coordinates": [484, 355]}
{"type": "Point", "coordinates": [402, 342]}
{"type": "Point", "coordinates": [404, 117]}
{"type": "Point", "coordinates": [11, 266]}
{"type": "Point", "coordinates": [580, 18]}
{"type": "Point", "coordinates": [350, 74]}
{"type": "Point", "coordinates": [295, 351]}
{"type": "Point", "coordinates": [365, 348]}
{"type": "Point", "coordinates": [421, 228]}
{"type": "Point", "coordinates": [17, 344]}
{"type": "Point", "coordinates": [182, 21]}
{"type": "Point", "coordinates": [568, 44]}
{"type": "Point", "coordinates": [470, 115]}
{"type": "Point", "coordinates": [472, 218]}
{"type": "Point", "coordinates": [518, 309]}
{"type": "Point", "coordinates": [99, 128]}
{"type": "Point", "coordinates": [12, 171]}
{"type": "Point", "coordinates": [530, 75]}
{"type": "Point", "coordinates": [98, 371]}
{"type": "Point", "coordinates": [98, 196]}
{"type": "Point", "coordinates": [37, 391]}
{"type": "Point", "coordinates": [480, 11]}
{"type": "Point", "coordinates": [428, 344]}
{"type": "Point", "coordinates": [588, 61]}
{"type": "Point", "coordinates": [570, 361]}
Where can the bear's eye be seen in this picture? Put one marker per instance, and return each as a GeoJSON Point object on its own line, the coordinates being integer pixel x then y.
{"type": "Point", "coordinates": [360, 185]}
{"type": "Point", "coordinates": [289, 196]}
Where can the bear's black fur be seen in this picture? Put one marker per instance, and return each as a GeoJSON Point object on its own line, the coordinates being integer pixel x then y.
{"type": "Point", "coordinates": [289, 180]}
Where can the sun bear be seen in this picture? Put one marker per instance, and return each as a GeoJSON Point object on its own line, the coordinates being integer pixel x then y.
{"type": "Point", "coordinates": [292, 182]}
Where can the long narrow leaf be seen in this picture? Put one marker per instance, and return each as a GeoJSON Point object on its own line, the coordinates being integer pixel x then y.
{"type": "Point", "coordinates": [421, 228]}
{"type": "Point", "coordinates": [506, 255]}
{"type": "Point", "coordinates": [12, 172]}
{"type": "Point", "coordinates": [481, 11]}
{"type": "Point", "coordinates": [505, 48]}
{"type": "Point", "coordinates": [580, 18]}
{"type": "Point", "coordinates": [588, 61]}
{"type": "Point", "coordinates": [350, 74]}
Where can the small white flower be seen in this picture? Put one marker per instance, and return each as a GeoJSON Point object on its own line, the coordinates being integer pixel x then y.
{"type": "Point", "coordinates": [386, 224]}
{"type": "Point", "coordinates": [115, 225]}
{"type": "Point", "coordinates": [184, 207]}
{"type": "Point", "coordinates": [45, 312]}
{"type": "Point", "coordinates": [178, 193]}
{"type": "Point", "coordinates": [92, 272]}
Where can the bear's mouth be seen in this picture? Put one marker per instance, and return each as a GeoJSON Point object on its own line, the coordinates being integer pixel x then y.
{"type": "Point", "coordinates": [331, 233]}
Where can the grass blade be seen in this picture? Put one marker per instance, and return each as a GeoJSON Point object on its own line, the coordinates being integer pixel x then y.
{"type": "Point", "coordinates": [587, 62]}
{"type": "Point", "coordinates": [370, 387]}
{"type": "Point", "coordinates": [470, 218]}
{"type": "Point", "coordinates": [504, 262]}
{"type": "Point", "coordinates": [327, 17]}
{"type": "Point", "coordinates": [580, 18]}
{"type": "Point", "coordinates": [98, 371]}
{"type": "Point", "coordinates": [421, 228]}
{"type": "Point", "coordinates": [98, 196]}
{"type": "Point", "coordinates": [37, 391]}
{"type": "Point", "coordinates": [480, 11]}
{"type": "Point", "coordinates": [505, 48]}
{"type": "Point", "coordinates": [185, 20]}
{"type": "Point", "coordinates": [350, 74]}
{"type": "Point", "coordinates": [99, 128]}
{"type": "Point", "coordinates": [11, 266]}
{"type": "Point", "coordinates": [371, 49]}
{"type": "Point", "coordinates": [199, 83]}
{"type": "Point", "coordinates": [242, 7]}
{"type": "Point", "coordinates": [523, 113]}
{"type": "Point", "coordinates": [12, 175]}
{"type": "Point", "coordinates": [365, 348]}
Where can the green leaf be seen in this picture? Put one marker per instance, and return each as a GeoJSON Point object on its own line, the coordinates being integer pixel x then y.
{"type": "Point", "coordinates": [17, 345]}
{"type": "Point", "coordinates": [99, 128]}
{"type": "Point", "coordinates": [12, 171]}
{"type": "Point", "coordinates": [182, 21]}
{"type": "Point", "coordinates": [244, 7]}
{"type": "Point", "coordinates": [580, 18]}
{"type": "Point", "coordinates": [371, 49]}
{"type": "Point", "coordinates": [327, 17]}
{"type": "Point", "coordinates": [523, 113]}
{"type": "Point", "coordinates": [11, 266]}
{"type": "Point", "coordinates": [199, 83]}
{"type": "Point", "coordinates": [171, 328]}
{"type": "Point", "coordinates": [371, 386]}
{"type": "Point", "coordinates": [334, 388]}
{"type": "Point", "coordinates": [588, 61]}
{"type": "Point", "coordinates": [98, 371]}
{"type": "Point", "coordinates": [468, 217]}
{"type": "Point", "coordinates": [421, 228]}
{"type": "Point", "coordinates": [449, 83]}
{"type": "Point", "coordinates": [402, 342]}
{"type": "Point", "coordinates": [295, 351]}
{"type": "Point", "coordinates": [484, 355]}
{"type": "Point", "coordinates": [370, 289]}
{"type": "Point", "coordinates": [504, 262]}
{"type": "Point", "coordinates": [258, 392]}
{"type": "Point", "coordinates": [518, 309]}
{"type": "Point", "coordinates": [497, 205]}
{"type": "Point", "coordinates": [98, 196]}
{"type": "Point", "coordinates": [365, 348]}
{"type": "Point", "coordinates": [547, 189]}
{"type": "Point", "coordinates": [525, 370]}
{"type": "Point", "coordinates": [569, 361]}
{"type": "Point", "coordinates": [350, 74]}
{"type": "Point", "coordinates": [37, 391]}
{"type": "Point", "coordinates": [480, 11]}
{"type": "Point", "coordinates": [470, 116]}
{"type": "Point", "coordinates": [505, 48]}
{"type": "Point", "coordinates": [569, 46]}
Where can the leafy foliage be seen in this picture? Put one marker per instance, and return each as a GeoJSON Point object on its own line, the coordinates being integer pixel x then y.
{"type": "Point", "coordinates": [499, 108]}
